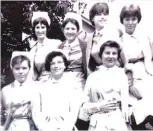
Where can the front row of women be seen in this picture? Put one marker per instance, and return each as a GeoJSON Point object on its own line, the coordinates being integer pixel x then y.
{"type": "Point", "coordinates": [57, 103]}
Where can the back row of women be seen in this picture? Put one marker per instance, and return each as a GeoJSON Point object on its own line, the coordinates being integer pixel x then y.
{"type": "Point", "coordinates": [104, 78]}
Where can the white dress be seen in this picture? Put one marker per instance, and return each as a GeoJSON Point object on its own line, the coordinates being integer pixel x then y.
{"type": "Point", "coordinates": [19, 98]}
{"type": "Point", "coordinates": [55, 99]}
{"type": "Point", "coordinates": [107, 84]}
{"type": "Point", "coordinates": [74, 55]}
{"type": "Point", "coordinates": [39, 53]}
{"type": "Point", "coordinates": [136, 47]}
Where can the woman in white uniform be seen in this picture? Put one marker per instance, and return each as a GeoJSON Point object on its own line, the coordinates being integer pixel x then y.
{"type": "Point", "coordinates": [99, 17]}
{"type": "Point", "coordinates": [17, 96]}
{"type": "Point", "coordinates": [138, 55]}
{"type": "Point", "coordinates": [39, 43]}
{"type": "Point", "coordinates": [57, 104]}
{"type": "Point", "coordinates": [74, 47]}
{"type": "Point", "coordinates": [105, 89]}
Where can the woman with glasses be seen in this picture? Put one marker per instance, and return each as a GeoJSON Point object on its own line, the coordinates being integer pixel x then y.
{"type": "Point", "coordinates": [57, 104]}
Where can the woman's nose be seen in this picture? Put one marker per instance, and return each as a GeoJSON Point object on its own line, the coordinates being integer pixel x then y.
{"type": "Point", "coordinates": [69, 31]}
{"type": "Point", "coordinates": [110, 56]}
{"type": "Point", "coordinates": [40, 30]}
{"type": "Point", "coordinates": [56, 65]}
{"type": "Point", "coordinates": [20, 71]}
{"type": "Point", "coordinates": [102, 16]}
{"type": "Point", "coordinates": [130, 22]}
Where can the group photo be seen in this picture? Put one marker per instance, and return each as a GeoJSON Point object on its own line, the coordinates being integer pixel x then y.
{"type": "Point", "coordinates": [76, 65]}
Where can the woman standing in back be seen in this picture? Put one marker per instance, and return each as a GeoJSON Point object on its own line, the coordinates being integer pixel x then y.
{"type": "Point", "coordinates": [39, 43]}
{"type": "Point", "coordinates": [74, 48]}
{"type": "Point", "coordinates": [138, 55]}
{"type": "Point", "coordinates": [99, 16]}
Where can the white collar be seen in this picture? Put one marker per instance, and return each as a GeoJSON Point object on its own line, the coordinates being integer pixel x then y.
{"type": "Point", "coordinates": [34, 43]}
{"type": "Point", "coordinates": [17, 84]}
{"type": "Point", "coordinates": [106, 28]}
{"type": "Point", "coordinates": [100, 31]}
{"type": "Point", "coordinates": [106, 68]}
{"type": "Point", "coordinates": [75, 42]}
{"type": "Point", "coordinates": [137, 33]}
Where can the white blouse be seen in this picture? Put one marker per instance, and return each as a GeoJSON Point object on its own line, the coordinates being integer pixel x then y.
{"type": "Point", "coordinates": [74, 54]}
{"type": "Point", "coordinates": [19, 97]}
{"type": "Point", "coordinates": [108, 82]}
{"type": "Point", "coordinates": [137, 46]}
{"type": "Point", "coordinates": [55, 99]}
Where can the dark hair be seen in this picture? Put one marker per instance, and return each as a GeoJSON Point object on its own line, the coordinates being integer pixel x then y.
{"type": "Point", "coordinates": [52, 55]}
{"type": "Point", "coordinates": [98, 9]}
{"type": "Point", "coordinates": [19, 59]}
{"type": "Point", "coordinates": [40, 20]}
{"type": "Point", "coordinates": [71, 20]}
{"type": "Point", "coordinates": [114, 44]}
{"type": "Point", "coordinates": [131, 10]}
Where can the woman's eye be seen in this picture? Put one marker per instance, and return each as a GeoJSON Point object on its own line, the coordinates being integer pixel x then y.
{"type": "Point", "coordinates": [114, 53]}
{"type": "Point", "coordinates": [107, 53]}
{"type": "Point", "coordinates": [17, 68]}
{"type": "Point", "coordinates": [24, 68]}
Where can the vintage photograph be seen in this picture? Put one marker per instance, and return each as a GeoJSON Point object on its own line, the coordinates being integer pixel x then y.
{"type": "Point", "coordinates": [76, 65]}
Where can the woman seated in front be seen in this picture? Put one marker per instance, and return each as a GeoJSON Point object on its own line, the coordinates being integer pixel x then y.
{"type": "Point", "coordinates": [16, 97]}
{"type": "Point", "coordinates": [107, 92]}
{"type": "Point", "coordinates": [57, 104]}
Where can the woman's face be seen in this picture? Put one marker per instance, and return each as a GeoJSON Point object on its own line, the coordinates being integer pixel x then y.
{"type": "Point", "coordinates": [100, 20]}
{"type": "Point", "coordinates": [109, 56]}
{"type": "Point", "coordinates": [57, 66]}
{"type": "Point", "coordinates": [21, 71]}
{"type": "Point", "coordinates": [40, 31]}
{"type": "Point", "coordinates": [70, 31]}
{"type": "Point", "coordinates": [130, 24]}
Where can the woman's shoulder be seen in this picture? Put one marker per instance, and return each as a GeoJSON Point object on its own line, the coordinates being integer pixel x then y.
{"type": "Point", "coordinates": [94, 75]}
{"type": "Point", "coordinates": [29, 38]}
{"type": "Point", "coordinates": [120, 72]}
{"type": "Point", "coordinates": [6, 89]}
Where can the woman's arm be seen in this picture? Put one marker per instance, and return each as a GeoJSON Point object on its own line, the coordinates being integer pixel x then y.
{"type": "Point", "coordinates": [148, 57]}
{"type": "Point", "coordinates": [94, 100]}
{"type": "Point", "coordinates": [132, 89]}
{"type": "Point", "coordinates": [124, 95]}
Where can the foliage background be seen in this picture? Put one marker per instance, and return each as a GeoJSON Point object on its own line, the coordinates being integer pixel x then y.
{"type": "Point", "coordinates": [15, 20]}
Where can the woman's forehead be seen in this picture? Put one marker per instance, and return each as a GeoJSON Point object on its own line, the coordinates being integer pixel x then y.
{"type": "Point", "coordinates": [21, 63]}
{"type": "Point", "coordinates": [110, 48]}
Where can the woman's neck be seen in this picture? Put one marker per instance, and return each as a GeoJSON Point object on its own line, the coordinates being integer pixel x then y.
{"type": "Point", "coordinates": [41, 41]}
{"type": "Point", "coordinates": [99, 28]}
{"type": "Point", "coordinates": [57, 77]}
{"type": "Point", "coordinates": [70, 41]}
{"type": "Point", "coordinates": [130, 33]}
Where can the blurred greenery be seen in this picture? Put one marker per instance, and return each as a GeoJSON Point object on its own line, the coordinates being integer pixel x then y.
{"type": "Point", "coordinates": [15, 19]}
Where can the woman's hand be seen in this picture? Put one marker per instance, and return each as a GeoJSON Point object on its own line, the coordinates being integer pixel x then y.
{"type": "Point", "coordinates": [103, 106]}
{"type": "Point", "coordinates": [109, 105]}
